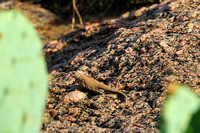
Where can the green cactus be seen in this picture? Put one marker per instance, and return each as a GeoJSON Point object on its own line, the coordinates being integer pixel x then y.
{"type": "Point", "coordinates": [23, 76]}
{"type": "Point", "coordinates": [181, 111]}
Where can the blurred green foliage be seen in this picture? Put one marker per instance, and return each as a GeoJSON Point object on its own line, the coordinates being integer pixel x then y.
{"type": "Point", "coordinates": [23, 76]}
{"type": "Point", "coordinates": [181, 111]}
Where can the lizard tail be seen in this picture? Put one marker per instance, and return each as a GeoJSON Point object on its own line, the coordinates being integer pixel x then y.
{"type": "Point", "coordinates": [118, 91]}
{"type": "Point", "coordinates": [105, 87]}
{"type": "Point", "coordinates": [125, 96]}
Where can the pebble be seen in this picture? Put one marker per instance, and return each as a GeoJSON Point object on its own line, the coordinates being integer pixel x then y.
{"type": "Point", "coordinates": [74, 96]}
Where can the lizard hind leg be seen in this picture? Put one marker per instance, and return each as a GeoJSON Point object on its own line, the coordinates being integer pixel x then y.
{"type": "Point", "coordinates": [94, 99]}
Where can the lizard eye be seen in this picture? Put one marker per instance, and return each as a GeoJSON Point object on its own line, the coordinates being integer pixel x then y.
{"type": "Point", "coordinates": [74, 74]}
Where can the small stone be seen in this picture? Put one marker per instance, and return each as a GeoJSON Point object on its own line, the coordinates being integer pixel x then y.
{"type": "Point", "coordinates": [84, 67]}
{"type": "Point", "coordinates": [143, 50]}
{"type": "Point", "coordinates": [142, 38]}
{"type": "Point", "coordinates": [198, 7]}
{"type": "Point", "coordinates": [192, 14]}
{"type": "Point", "coordinates": [53, 113]}
{"type": "Point", "coordinates": [190, 27]}
{"type": "Point", "coordinates": [50, 106]}
{"type": "Point", "coordinates": [121, 64]}
{"type": "Point", "coordinates": [179, 52]}
{"type": "Point", "coordinates": [172, 6]}
{"type": "Point", "coordinates": [140, 12]}
{"type": "Point", "coordinates": [119, 86]}
{"type": "Point", "coordinates": [94, 69]}
{"type": "Point", "coordinates": [77, 59]}
{"type": "Point", "coordinates": [161, 25]}
{"type": "Point", "coordinates": [74, 96]}
{"type": "Point", "coordinates": [125, 15]}
{"type": "Point", "coordinates": [181, 19]}
{"type": "Point", "coordinates": [169, 78]}
{"type": "Point", "coordinates": [163, 44]}
{"type": "Point", "coordinates": [71, 119]}
{"type": "Point", "coordinates": [75, 111]}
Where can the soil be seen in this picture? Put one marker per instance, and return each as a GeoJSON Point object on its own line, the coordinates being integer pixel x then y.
{"type": "Point", "coordinates": [140, 52]}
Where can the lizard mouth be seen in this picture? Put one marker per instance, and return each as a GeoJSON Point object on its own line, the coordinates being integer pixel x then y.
{"type": "Point", "coordinates": [74, 74]}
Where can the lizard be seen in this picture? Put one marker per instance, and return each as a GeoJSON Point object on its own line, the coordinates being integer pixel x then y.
{"type": "Point", "coordinates": [94, 85]}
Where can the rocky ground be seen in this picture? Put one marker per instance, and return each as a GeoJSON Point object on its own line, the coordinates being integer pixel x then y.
{"type": "Point", "coordinates": [140, 52]}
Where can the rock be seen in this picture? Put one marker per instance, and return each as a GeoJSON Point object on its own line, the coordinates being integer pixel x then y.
{"type": "Point", "coordinates": [74, 96]}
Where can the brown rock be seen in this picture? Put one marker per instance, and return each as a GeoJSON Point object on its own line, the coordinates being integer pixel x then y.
{"type": "Point", "coordinates": [54, 113]}
{"type": "Point", "coordinates": [140, 12]}
{"type": "Point", "coordinates": [179, 52]}
{"type": "Point", "coordinates": [75, 111]}
{"type": "Point", "coordinates": [190, 27]}
{"type": "Point", "coordinates": [71, 119]}
{"type": "Point", "coordinates": [74, 96]}
{"type": "Point", "coordinates": [191, 14]}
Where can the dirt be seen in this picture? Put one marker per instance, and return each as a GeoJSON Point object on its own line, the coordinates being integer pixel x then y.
{"type": "Point", "coordinates": [140, 52]}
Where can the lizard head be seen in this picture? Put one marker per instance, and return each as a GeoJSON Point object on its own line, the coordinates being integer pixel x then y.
{"type": "Point", "coordinates": [75, 75]}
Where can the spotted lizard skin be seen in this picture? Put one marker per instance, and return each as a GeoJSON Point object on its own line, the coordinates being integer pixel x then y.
{"type": "Point", "coordinates": [94, 85]}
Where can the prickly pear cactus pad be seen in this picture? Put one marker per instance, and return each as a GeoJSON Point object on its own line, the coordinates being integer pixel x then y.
{"type": "Point", "coordinates": [23, 76]}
